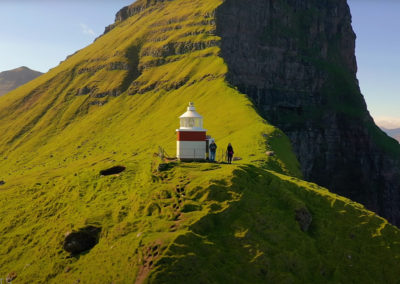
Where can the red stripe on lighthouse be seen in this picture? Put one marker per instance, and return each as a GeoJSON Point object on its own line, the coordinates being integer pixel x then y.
{"type": "Point", "coordinates": [191, 136]}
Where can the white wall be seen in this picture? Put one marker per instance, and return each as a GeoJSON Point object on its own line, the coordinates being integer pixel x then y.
{"type": "Point", "coordinates": [191, 150]}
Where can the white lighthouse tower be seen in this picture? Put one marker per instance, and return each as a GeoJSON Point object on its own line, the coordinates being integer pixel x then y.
{"type": "Point", "coordinates": [191, 141]}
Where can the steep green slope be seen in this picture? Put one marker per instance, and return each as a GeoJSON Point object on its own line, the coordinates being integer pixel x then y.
{"type": "Point", "coordinates": [114, 103]}
{"type": "Point", "coordinates": [257, 239]}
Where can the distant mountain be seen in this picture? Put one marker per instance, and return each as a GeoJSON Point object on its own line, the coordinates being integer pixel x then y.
{"type": "Point", "coordinates": [395, 133]}
{"type": "Point", "coordinates": [12, 79]}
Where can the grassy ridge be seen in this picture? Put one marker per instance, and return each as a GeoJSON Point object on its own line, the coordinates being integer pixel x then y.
{"type": "Point", "coordinates": [257, 239]}
{"type": "Point", "coordinates": [116, 101]}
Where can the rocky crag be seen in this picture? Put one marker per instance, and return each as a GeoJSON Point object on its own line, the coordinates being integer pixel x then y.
{"type": "Point", "coordinates": [12, 79]}
{"type": "Point", "coordinates": [296, 61]}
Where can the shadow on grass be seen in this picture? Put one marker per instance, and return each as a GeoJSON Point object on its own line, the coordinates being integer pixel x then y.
{"type": "Point", "coordinates": [132, 54]}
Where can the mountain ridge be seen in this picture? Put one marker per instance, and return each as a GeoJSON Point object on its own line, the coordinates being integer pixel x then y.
{"type": "Point", "coordinates": [12, 79]}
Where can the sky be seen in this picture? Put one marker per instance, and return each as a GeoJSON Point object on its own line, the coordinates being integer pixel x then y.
{"type": "Point", "coordinates": [41, 33]}
{"type": "Point", "coordinates": [377, 25]}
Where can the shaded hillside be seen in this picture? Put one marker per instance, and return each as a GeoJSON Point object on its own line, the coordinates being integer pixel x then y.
{"type": "Point", "coordinates": [295, 60]}
{"type": "Point", "coordinates": [110, 106]}
{"type": "Point", "coordinates": [10, 80]}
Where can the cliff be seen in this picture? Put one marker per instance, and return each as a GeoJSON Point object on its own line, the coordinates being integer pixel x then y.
{"type": "Point", "coordinates": [296, 61]}
{"type": "Point", "coordinates": [12, 79]}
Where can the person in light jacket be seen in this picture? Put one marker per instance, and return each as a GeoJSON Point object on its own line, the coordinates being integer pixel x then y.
{"type": "Point", "coordinates": [213, 150]}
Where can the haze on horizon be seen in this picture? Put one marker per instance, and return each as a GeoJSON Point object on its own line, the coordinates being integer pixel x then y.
{"type": "Point", "coordinates": [45, 32]}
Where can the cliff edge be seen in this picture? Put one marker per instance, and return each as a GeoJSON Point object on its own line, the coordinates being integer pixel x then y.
{"type": "Point", "coordinates": [296, 61]}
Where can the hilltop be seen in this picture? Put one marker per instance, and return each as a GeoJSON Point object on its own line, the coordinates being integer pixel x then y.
{"type": "Point", "coordinates": [113, 104]}
{"type": "Point", "coordinates": [12, 79]}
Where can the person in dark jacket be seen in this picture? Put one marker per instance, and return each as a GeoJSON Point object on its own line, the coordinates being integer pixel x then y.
{"type": "Point", "coordinates": [213, 150]}
{"type": "Point", "coordinates": [229, 153]}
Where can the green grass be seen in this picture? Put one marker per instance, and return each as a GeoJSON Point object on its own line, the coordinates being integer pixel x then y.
{"type": "Point", "coordinates": [232, 222]}
{"type": "Point", "coordinates": [256, 238]}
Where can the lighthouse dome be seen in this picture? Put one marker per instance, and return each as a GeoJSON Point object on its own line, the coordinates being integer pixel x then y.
{"type": "Point", "coordinates": [191, 119]}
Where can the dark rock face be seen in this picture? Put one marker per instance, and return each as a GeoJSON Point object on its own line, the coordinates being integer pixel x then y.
{"type": "Point", "coordinates": [82, 240]}
{"type": "Point", "coordinates": [296, 61]}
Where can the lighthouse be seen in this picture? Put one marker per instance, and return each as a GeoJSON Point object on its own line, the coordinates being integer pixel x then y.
{"type": "Point", "coordinates": [191, 136]}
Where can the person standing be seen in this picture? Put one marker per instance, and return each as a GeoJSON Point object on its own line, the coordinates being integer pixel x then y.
{"type": "Point", "coordinates": [229, 153]}
{"type": "Point", "coordinates": [213, 150]}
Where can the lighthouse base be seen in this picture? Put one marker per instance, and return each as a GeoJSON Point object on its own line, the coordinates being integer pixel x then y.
{"type": "Point", "coordinates": [191, 150]}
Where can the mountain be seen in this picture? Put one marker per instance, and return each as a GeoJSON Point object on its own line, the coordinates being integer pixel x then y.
{"type": "Point", "coordinates": [80, 168]}
{"type": "Point", "coordinates": [12, 79]}
{"type": "Point", "coordinates": [296, 61]}
{"type": "Point", "coordinates": [395, 133]}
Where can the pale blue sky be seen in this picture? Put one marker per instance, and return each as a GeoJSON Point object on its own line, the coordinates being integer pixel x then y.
{"type": "Point", "coordinates": [377, 25]}
{"type": "Point", "coordinates": [41, 33]}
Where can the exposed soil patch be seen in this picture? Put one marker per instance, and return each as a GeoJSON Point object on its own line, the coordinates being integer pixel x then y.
{"type": "Point", "coordinates": [10, 277]}
{"type": "Point", "coordinates": [82, 240]}
{"type": "Point", "coordinates": [113, 171]}
{"type": "Point", "coordinates": [150, 255]}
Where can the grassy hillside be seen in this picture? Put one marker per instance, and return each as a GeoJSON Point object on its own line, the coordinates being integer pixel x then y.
{"type": "Point", "coordinates": [114, 103]}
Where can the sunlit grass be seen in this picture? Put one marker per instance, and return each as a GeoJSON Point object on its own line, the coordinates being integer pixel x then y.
{"type": "Point", "coordinates": [229, 222]}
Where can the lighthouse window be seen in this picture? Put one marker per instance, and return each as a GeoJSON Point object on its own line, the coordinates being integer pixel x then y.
{"type": "Point", "coordinates": [191, 122]}
{"type": "Point", "coordinates": [184, 122]}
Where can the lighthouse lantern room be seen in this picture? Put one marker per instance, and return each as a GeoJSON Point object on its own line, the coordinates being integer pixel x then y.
{"type": "Point", "coordinates": [191, 139]}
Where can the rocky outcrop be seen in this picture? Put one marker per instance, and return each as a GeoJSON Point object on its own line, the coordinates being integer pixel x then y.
{"type": "Point", "coordinates": [177, 48]}
{"type": "Point", "coordinates": [131, 10]}
{"type": "Point", "coordinates": [296, 61]}
{"type": "Point", "coordinates": [136, 8]}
